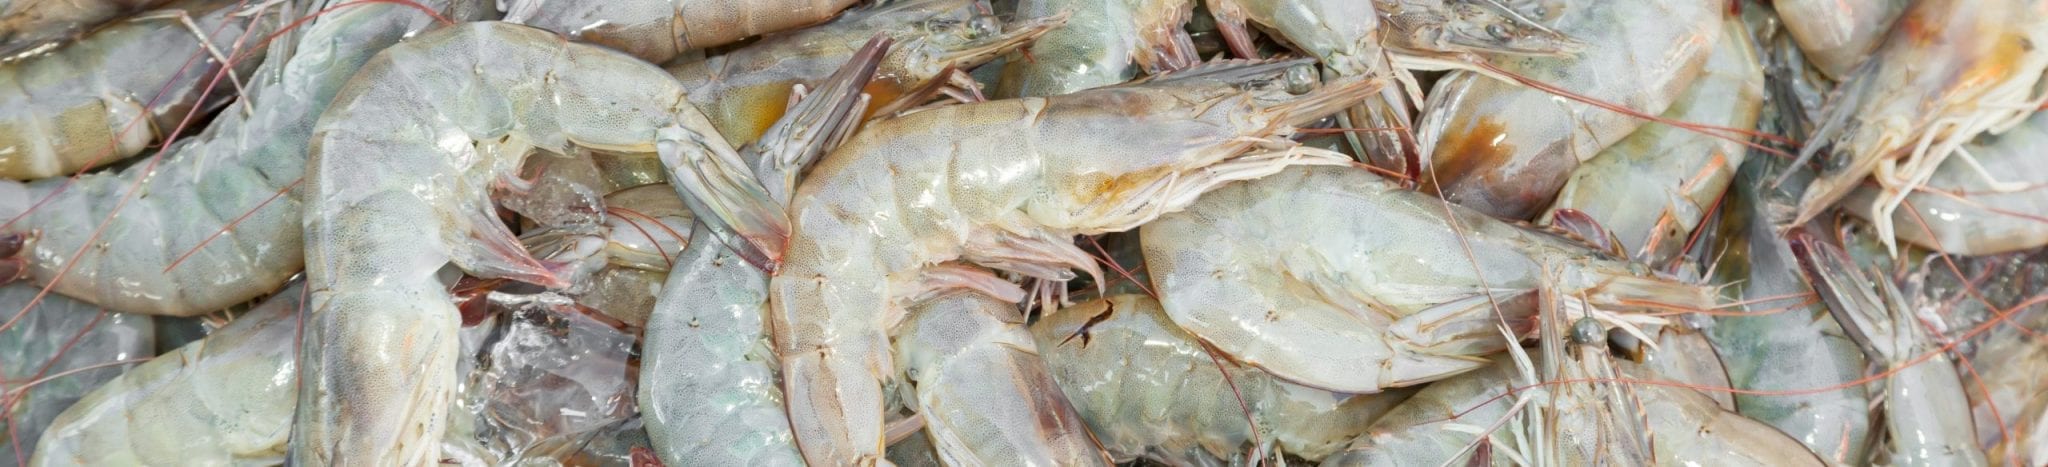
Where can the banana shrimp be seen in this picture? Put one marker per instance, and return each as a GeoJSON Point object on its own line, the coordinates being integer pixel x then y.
{"type": "Point", "coordinates": [68, 108]}
{"type": "Point", "coordinates": [1959, 212]}
{"type": "Point", "coordinates": [1103, 43]}
{"type": "Point", "coordinates": [1005, 184]}
{"type": "Point", "coordinates": [1948, 72]}
{"type": "Point", "coordinates": [422, 132]}
{"type": "Point", "coordinates": [1334, 278]}
{"type": "Point", "coordinates": [744, 91]}
{"type": "Point", "coordinates": [1505, 149]}
{"type": "Point", "coordinates": [1149, 390]}
{"type": "Point", "coordinates": [659, 30]}
{"type": "Point", "coordinates": [223, 400]}
{"type": "Point", "coordinates": [1653, 188]}
{"type": "Point", "coordinates": [27, 26]}
{"type": "Point", "coordinates": [984, 391]}
{"type": "Point", "coordinates": [1838, 35]}
{"type": "Point", "coordinates": [1926, 414]}
{"type": "Point", "coordinates": [707, 381]}
{"type": "Point", "coordinates": [217, 179]}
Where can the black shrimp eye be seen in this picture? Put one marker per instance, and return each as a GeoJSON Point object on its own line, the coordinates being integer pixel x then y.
{"type": "Point", "coordinates": [1497, 31]}
{"type": "Point", "coordinates": [985, 26]}
{"type": "Point", "coordinates": [1586, 331]}
{"type": "Point", "coordinates": [1300, 79]}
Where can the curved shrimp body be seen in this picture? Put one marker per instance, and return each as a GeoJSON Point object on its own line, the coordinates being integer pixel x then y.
{"type": "Point", "coordinates": [986, 396]}
{"type": "Point", "coordinates": [1505, 149]}
{"type": "Point", "coordinates": [1359, 285]}
{"type": "Point", "coordinates": [1947, 72]}
{"type": "Point", "coordinates": [1756, 268]}
{"type": "Point", "coordinates": [63, 108]}
{"type": "Point", "coordinates": [746, 90]}
{"type": "Point", "coordinates": [1958, 211]}
{"type": "Point", "coordinates": [1437, 423]}
{"type": "Point", "coordinates": [27, 25]}
{"type": "Point", "coordinates": [39, 348]}
{"type": "Point", "coordinates": [1006, 184]}
{"type": "Point", "coordinates": [1341, 33]}
{"type": "Point", "coordinates": [1653, 188]}
{"type": "Point", "coordinates": [1148, 389]}
{"type": "Point", "coordinates": [707, 382]}
{"type": "Point", "coordinates": [420, 134]}
{"type": "Point", "coordinates": [659, 30]}
{"type": "Point", "coordinates": [1103, 43]}
{"type": "Point", "coordinates": [1927, 416]}
{"type": "Point", "coordinates": [223, 400]}
{"type": "Point", "coordinates": [1838, 35]}
{"type": "Point", "coordinates": [205, 184]}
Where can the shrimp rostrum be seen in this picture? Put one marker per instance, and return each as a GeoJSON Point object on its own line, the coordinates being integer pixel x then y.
{"type": "Point", "coordinates": [1005, 184]}
{"type": "Point", "coordinates": [398, 183]}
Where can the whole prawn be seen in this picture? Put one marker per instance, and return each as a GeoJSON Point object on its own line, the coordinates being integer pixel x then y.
{"type": "Point", "coordinates": [1505, 149]}
{"type": "Point", "coordinates": [1335, 278]}
{"type": "Point", "coordinates": [68, 108]}
{"type": "Point", "coordinates": [1946, 73]}
{"type": "Point", "coordinates": [659, 30]}
{"type": "Point", "coordinates": [90, 243]}
{"type": "Point", "coordinates": [1004, 184]}
{"type": "Point", "coordinates": [421, 133]}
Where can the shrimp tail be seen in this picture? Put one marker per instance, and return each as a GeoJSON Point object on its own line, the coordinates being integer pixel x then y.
{"type": "Point", "coordinates": [824, 117]}
{"type": "Point", "coordinates": [1844, 288]}
{"type": "Point", "coordinates": [492, 251]}
{"type": "Point", "coordinates": [1162, 50]}
{"type": "Point", "coordinates": [1230, 21]}
{"type": "Point", "coordinates": [725, 194]}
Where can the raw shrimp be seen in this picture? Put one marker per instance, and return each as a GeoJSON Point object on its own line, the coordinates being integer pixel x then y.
{"type": "Point", "coordinates": [1838, 35]}
{"type": "Point", "coordinates": [1653, 188]}
{"type": "Point", "coordinates": [1334, 278]}
{"type": "Point", "coordinates": [76, 106]}
{"type": "Point", "coordinates": [745, 90]}
{"type": "Point", "coordinates": [398, 175]}
{"type": "Point", "coordinates": [1927, 416]}
{"type": "Point", "coordinates": [1949, 71]}
{"type": "Point", "coordinates": [1505, 149]}
{"type": "Point", "coordinates": [224, 178]}
{"type": "Point", "coordinates": [708, 386]}
{"type": "Point", "coordinates": [1959, 212]}
{"type": "Point", "coordinates": [1104, 43]}
{"type": "Point", "coordinates": [226, 399]}
{"type": "Point", "coordinates": [659, 30]}
{"type": "Point", "coordinates": [1149, 390]}
{"type": "Point", "coordinates": [55, 355]}
{"type": "Point", "coordinates": [1755, 268]}
{"type": "Point", "coordinates": [28, 25]}
{"type": "Point", "coordinates": [985, 394]}
{"type": "Point", "coordinates": [1005, 184]}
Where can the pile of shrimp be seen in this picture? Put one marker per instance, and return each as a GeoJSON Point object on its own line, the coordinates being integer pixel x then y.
{"type": "Point", "coordinates": [1023, 232]}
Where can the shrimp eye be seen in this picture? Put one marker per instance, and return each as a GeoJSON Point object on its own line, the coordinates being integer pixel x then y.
{"type": "Point", "coordinates": [984, 26]}
{"type": "Point", "coordinates": [1498, 32]}
{"type": "Point", "coordinates": [1300, 79]}
{"type": "Point", "coordinates": [1588, 332]}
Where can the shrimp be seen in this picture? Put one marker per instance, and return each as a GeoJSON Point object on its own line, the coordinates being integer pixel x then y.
{"type": "Point", "coordinates": [217, 179]}
{"type": "Point", "coordinates": [984, 392]}
{"type": "Point", "coordinates": [232, 390]}
{"type": "Point", "coordinates": [1148, 389]}
{"type": "Point", "coordinates": [1102, 44]}
{"type": "Point", "coordinates": [1005, 184]}
{"type": "Point", "coordinates": [1927, 415]}
{"type": "Point", "coordinates": [1505, 150]}
{"type": "Point", "coordinates": [1756, 268]}
{"type": "Point", "coordinates": [63, 109]}
{"type": "Point", "coordinates": [745, 90]}
{"type": "Point", "coordinates": [420, 134]}
{"type": "Point", "coordinates": [1368, 285]}
{"type": "Point", "coordinates": [1683, 171]}
{"type": "Point", "coordinates": [1958, 212]}
{"type": "Point", "coordinates": [707, 381]}
{"type": "Point", "coordinates": [27, 26]}
{"type": "Point", "coordinates": [659, 30]}
{"type": "Point", "coordinates": [1949, 71]}
{"type": "Point", "coordinates": [55, 355]}
{"type": "Point", "coordinates": [1838, 35]}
